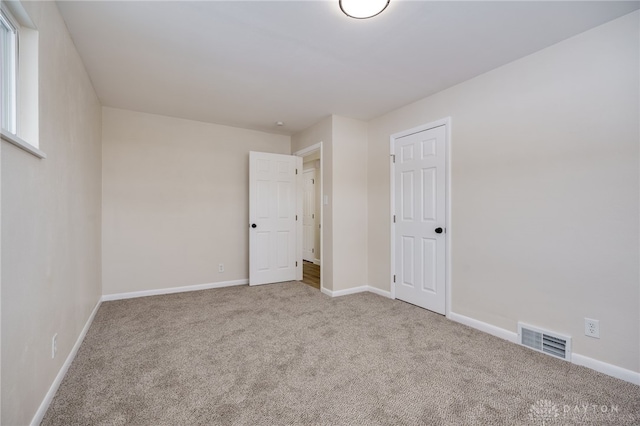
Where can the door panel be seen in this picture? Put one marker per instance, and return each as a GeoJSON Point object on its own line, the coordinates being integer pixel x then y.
{"type": "Point", "coordinates": [282, 250]}
{"type": "Point", "coordinates": [262, 241]}
{"type": "Point", "coordinates": [408, 269]}
{"type": "Point", "coordinates": [408, 194]}
{"type": "Point", "coordinates": [420, 206]}
{"type": "Point", "coordinates": [429, 265]}
{"type": "Point", "coordinates": [429, 192]}
{"type": "Point", "coordinates": [273, 208]}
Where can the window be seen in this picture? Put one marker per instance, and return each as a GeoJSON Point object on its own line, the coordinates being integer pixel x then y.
{"type": "Point", "coordinates": [9, 83]}
{"type": "Point", "coordinates": [19, 115]}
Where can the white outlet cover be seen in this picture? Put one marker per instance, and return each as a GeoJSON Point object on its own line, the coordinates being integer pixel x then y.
{"type": "Point", "coordinates": [592, 327]}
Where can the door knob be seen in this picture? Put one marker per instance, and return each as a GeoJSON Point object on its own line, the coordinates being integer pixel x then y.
{"type": "Point", "coordinates": [253, 225]}
{"type": "Point", "coordinates": [438, 230]}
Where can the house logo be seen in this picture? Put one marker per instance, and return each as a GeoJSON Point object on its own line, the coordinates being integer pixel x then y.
{"type": "Point", "coordinates": [543, 412]}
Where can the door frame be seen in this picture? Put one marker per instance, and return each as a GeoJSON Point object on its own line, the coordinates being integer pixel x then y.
{"type": "Point", "coordinates": [302, 153]}
{"type": "Point", "coordinates": [449, 224]}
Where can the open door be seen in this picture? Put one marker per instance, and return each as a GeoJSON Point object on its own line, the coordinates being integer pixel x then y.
{"type": "Point", "coordinates": [275, 205]}
{"type": "Point", "coordinates": [309, 215]}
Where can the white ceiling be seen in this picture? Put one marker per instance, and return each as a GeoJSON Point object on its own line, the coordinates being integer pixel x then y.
{"type": "Point", "coordinates": [250, 64]}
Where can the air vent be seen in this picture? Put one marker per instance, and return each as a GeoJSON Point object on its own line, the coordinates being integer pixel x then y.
{"type": "Point", "coordinates": [545, 341]}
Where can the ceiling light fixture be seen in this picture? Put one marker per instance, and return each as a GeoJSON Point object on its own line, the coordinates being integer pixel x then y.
{"type": "Point", "coordinates": [363, 9]}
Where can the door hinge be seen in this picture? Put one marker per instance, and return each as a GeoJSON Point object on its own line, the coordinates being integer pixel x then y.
{"type": "Point", "coordinates": [296, 217]}
{"type": "Point", "coordinates": [313, 250]}
{"type": "Point", "coordinates": [393, 158]}
{"type": "Point", "coordinates": [296, 263]}
{"type": "Point", "coordinates": [296, 171]}
{"type": "Point", "coordinates": [394, 278]}
{"type": "Point", "coordinates": [313, 181]}
{"type": "Point", "coordinates": [313, 216]}
{"type": "Point", "coordinates": [394, 218]}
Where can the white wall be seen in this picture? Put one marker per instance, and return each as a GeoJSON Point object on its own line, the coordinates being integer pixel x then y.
{"type": "Point", "coordinates": [50, 224]}
{"type": "Point", "coordinates": [175, 200]}
{"type": "Point", "coordinates": [545, 191]}
{"type": "Point", "coordinates": [349, 203]}
{"type": "Point", "coordinates": [344, 262]}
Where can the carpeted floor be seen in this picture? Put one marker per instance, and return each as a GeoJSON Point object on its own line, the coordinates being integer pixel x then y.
{"type": "Point", "coordinates": [287, 354]}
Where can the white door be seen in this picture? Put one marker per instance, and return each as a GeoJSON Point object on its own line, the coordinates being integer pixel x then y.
{"type": "Point", "coordinates": [273, 210]}
{"type": "Point", "coordinates": [309, 215]}
{"type": "Point", "coordinates": [420, 212]}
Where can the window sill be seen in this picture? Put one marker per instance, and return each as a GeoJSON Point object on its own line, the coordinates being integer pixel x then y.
{"type": "Point", "coordinates": [26, 146]}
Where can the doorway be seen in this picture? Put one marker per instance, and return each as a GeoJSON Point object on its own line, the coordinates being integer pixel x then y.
{"type": "Point", "coordinates": [311, 238]}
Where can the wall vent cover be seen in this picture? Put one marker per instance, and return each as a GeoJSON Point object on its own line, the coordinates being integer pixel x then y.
{"type": "Point", "coordinates": [544, 341]}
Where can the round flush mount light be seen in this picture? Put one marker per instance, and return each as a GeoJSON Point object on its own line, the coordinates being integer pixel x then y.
{"type": "Point", "coordinates": [363, 9]}
{"type": "Point", "coordinates": [279, 123]}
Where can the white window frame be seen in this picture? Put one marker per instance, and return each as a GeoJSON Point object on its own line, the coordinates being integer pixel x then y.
{"type": "Point", "coordinates": [10, 111]}
{"type": "Point", "coordinates": [24, 131]}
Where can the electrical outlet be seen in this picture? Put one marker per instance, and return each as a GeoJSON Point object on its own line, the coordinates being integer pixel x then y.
{"type": "Point", "coordinates": [221, 267]}
{"type": "Point", "coordinates": [592, 328]}
{"type": "Point", "coordinates": [54, 345]}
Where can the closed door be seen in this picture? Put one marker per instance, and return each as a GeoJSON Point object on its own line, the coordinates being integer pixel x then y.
{"type": "Point", "coordinates": [420, 211]}
{"type": "Point", "coordinates": [309, 214]}
{"type": "Point", "coordinates": [273, 216]}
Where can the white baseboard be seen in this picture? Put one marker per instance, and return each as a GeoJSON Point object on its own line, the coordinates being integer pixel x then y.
{"type": "Point", "coordinates": [171, 290]}
{"type": "Point", "coordinates": [354, 290]}
{"type": "Point", "coordinates": [594, 364]}
{"type": "Point", "coordinates": [345, 292]}
{"type": "Point", "coordinates": [608, 369]}
{"type": "Point", "coordinates": [44, 406]}
{"type": "Point", "coordinates": [483, 326]}
{"type": "Point", "coordinates": [379, 292]}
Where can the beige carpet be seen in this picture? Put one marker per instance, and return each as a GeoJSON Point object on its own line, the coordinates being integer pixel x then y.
{"type": "Point", "coordinates": [286, 354]}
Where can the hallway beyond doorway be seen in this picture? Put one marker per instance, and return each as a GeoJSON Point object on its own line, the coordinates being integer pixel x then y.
{"type": "Point", "coordinates": [311, 274]}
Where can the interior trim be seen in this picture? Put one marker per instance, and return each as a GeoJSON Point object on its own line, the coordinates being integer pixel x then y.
{"type": "Point", "coordinates": [171, 290]}
{"type": "Point", "coordinates": [44, 406]}
{"type": "Point", "coordinates": [22, 144]}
